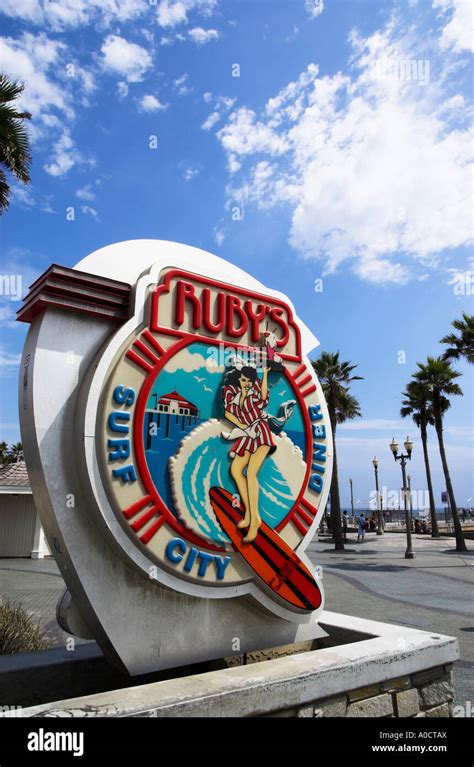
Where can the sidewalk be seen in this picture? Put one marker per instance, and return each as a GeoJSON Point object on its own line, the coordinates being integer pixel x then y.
{"type": "Point", "coordinates": [372, 580]}
{"type": "Point", "coordinates": [433, 592]}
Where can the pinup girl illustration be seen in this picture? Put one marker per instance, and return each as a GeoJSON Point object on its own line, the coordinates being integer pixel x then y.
{"type": "Point", "coordinates": [244, 397]}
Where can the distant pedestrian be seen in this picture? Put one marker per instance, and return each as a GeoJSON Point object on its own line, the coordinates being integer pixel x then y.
{"type": "Point", "coordinates": [361, 528]}
{"type": "Point", "coordinates": [344, 525]}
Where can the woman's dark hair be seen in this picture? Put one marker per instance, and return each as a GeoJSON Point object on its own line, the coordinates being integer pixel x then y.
{"type": "Point", "coordinates": [233, 378]}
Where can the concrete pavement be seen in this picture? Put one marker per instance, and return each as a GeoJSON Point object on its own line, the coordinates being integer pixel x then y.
{"type": "Point", "coordinates": [373, 580]}
{"type": "Point", "coordinates": [433, 592]}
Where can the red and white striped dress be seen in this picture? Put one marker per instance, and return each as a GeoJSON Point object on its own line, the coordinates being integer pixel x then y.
{"type": "Point", "coordinates": [249, 413]}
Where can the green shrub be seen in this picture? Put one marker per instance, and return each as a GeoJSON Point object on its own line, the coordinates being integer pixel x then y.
{"type": "Point", "coordinates": [18, 630]}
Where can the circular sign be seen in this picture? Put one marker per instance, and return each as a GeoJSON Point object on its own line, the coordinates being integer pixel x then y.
{"type": "Point", "coordinates": [207, 441]}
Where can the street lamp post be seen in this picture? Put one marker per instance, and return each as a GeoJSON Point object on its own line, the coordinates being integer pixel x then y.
{"type": "Point", "coordinates": [352, 500]}
{"type": "Point", "coordinates": [410, 507]}
{"type": "Point", "coordinates": [375, 464]}
{"type": "Point", "coordinates": [408, 445]}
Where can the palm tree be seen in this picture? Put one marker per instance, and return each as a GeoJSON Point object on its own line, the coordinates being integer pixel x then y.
{"type": "Point", "coordinates": [335, 378]}
{"type": "Point", "coordinates": [461, 345]}
{"type": "Point", "coordinates": [416, 402]}
{"type": "Point", "coordinates": [3, 453]}
{"type": "Point", "coordinates": [438, 377]}
{"type": "Point", "coordinates": [348, 407]}
{"type": "Point", "coordinates": [14, 143]}
{"type": "Point", "coordinates": [15, 452]}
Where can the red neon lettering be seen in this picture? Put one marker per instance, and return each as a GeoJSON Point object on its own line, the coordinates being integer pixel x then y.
{"type": "Point", "coordinates": [206, 305]}
{"type": "Point", "coordinates": [185, 292]}
{"type": "Point", "coordinates": [234, 309]}
{"type": "Point", "coordinates": [256, 316]}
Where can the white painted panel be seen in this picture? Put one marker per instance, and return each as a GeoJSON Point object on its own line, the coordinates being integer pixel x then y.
{"type": "Point", "coordinates": [17, 525]}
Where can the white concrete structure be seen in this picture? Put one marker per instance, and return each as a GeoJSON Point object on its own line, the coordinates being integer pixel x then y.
{"type": "Point", "coordinates": [134, 608]}
{"type": "Point", "coordinates": [381, 670]}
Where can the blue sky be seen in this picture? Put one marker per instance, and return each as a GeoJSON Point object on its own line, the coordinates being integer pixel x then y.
{"type": "Point", "coordinates": [302, 140]}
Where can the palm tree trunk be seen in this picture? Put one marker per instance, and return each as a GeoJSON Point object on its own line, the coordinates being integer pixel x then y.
{"type": "Point", "coordinates": [460, 543]}
{"type": "Point", "coordinates": [335, 498]}
{"type": "Point", "coordinates": [434, 521]}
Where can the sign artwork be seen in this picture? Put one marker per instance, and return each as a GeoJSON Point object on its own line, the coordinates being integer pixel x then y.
{"type": "Point", "coordinates": [211, 440]}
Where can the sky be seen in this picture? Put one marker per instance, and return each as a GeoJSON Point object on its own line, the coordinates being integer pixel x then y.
{"type": "Point", "coordinates": [323, 146]}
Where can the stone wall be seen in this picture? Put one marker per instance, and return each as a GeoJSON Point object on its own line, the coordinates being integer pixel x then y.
{"type": "Point", "coordinates": [394, 671]}
{"type": "Point", "coordinates": [426, 694]}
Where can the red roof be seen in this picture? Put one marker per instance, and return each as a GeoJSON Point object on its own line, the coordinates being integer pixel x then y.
{"type": "Point", "coordinates": [167, 398]}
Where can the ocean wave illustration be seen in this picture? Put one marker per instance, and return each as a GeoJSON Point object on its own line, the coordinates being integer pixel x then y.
{"type": "Point", "coordinates": [202, 462]}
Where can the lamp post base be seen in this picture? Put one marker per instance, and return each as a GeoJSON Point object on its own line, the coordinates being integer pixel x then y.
{"type": "Point", "coordinates": [409, 555]}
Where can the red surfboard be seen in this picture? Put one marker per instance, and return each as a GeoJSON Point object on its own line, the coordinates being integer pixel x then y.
{"type": "Point", "coordinates": [268, 555]}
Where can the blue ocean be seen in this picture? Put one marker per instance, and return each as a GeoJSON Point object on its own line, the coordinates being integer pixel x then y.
{"type": "Point", "coordinates": [211, 468]}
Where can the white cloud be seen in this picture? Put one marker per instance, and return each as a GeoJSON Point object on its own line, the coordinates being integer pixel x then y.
{"type": "Point", "coordinates": [55, 84]}
{"type": "Point", "coordinates": [374, 170]}
{"type": "Point", "coordinates": [180, 85]}
{"type": "Point", "coordinates": [35, 59]}
{"type": "Point", "coordinates": [245, 135]}
{"type": "Point", "coordinates": [65, 155]}
{"type": "Point", "coordinates": [8, 362]}
{"type": "Point", "coordinates": [191, 362]}
{"type": "Point", "coordinates": [20, 268]}
{"type": "Point", "coordinates": [219, 235]}
{"type": "Point", "coordinates": [375, 424]}
{"type": "Point", "coordinates": [190, 172]}
{"type": "Point", "coordinates": [7, 317]}
{"type": "Point", "coordinates": [86, 193]}
{"type": "Point", "coordinates": [69, 14]}
{"type": "Point", "coordinates": [463, 278]}
{"type": "Point", "coordinates": [22, 194]}
{"type": "Point", "coordinates": [150, 103]}
{"type": "Point", "coordinates": [129, 60]}
{"type": "Point", "coordinates": [233, 164]}
{"type": "Point", "coordinates": [463, 433]}
{"type": "Point", "coordinates": [202, 36]}
{"type": "Point", "coordinates": [88, 211]}
{"type": "Point", "coordinates": [458, 32]}
{"type": "Point", "coordinates": [122, 90]}
{"type": "Point", "coordinates": [314, 8]}
{"type": "Point", "coordinates": [210, 121]}
{"type": "Point", "coordinates": [172, 13]}
{"type": "Point", "coordinates": [224, 103]}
